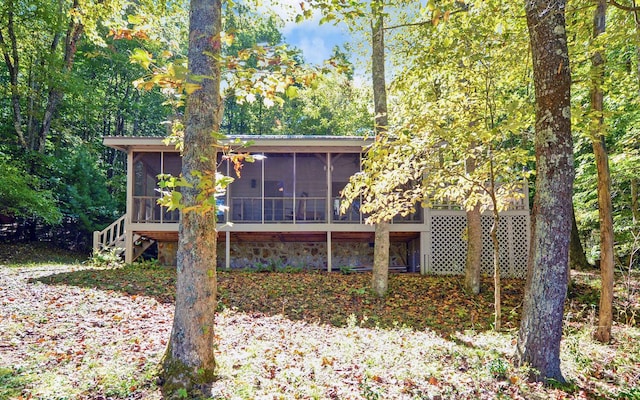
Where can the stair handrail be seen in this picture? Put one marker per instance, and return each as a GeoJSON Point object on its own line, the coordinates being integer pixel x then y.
{"type": "Point", "coordinates": [110, 235]}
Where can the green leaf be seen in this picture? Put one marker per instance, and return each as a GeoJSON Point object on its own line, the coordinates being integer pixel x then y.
{"type": "Point", "coordinates": [135, 19]}
{"type": "Point", "coordinates": [292, 92]}
{"type": "Point", "coordinates": [142, 57]}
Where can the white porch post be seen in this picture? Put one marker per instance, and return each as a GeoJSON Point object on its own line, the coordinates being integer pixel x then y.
{"type": "Point", "coordinates": [128, 238]}
{"type": "Point", "coordinates": [329, 205]}
{"type": "Point", "coordinates": [425, 241]}
{"type": "Point", "coordinates": [227, 250]}
{"type": "Point", "coordinates": [329, 251]}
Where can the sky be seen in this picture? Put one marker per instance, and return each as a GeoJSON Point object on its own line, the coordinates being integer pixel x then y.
{"type": "Point", "coordinates": [316, 41]}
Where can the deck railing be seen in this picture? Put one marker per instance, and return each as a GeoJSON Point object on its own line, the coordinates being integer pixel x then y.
{"type": "Point", "coordinates": [111, 235]}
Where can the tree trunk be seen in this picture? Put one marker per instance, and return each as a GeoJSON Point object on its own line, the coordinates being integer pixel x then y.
{"type": "Point", "coordinates": [603, 333]}
{"type": "Point", "coordinates": [473, 266]}
{"type": "Point", "coordinates": [497, 287]}
{"type": "Point", "coordinates": [635, 211]}
{"type": "Point", "coordinates": [577, 258]}
{"type": "Point", "coordinates": [189, 360]}
{"type": "Point", "coordinates": [74, 33]}
{"type": "Point", "coordinates": [605, 208]}
{"type": "Point", "coordinates": [10, 54]}
{"type": "Point", "coordinates": [380, 274]}
{"type": "Point", "coordinates": [474, 251]}
{"type": "Point", "coordinates": [546, 289]}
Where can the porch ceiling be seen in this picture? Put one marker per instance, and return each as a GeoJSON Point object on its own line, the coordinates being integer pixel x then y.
{"type": "Point", "coordinates": [289, 236]}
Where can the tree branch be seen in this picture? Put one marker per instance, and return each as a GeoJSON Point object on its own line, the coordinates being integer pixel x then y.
{"type": "Point", "coordinates": [622, 6]}
{"type": "Point", "coordinates": [421, 23]}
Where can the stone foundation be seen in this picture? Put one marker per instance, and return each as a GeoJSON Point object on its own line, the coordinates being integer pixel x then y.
{"type": "Point", "coordinates": [305, 255]}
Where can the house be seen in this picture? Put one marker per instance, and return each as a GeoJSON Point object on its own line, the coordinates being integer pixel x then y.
{"type": "Point", "coordinates": [285, 211]}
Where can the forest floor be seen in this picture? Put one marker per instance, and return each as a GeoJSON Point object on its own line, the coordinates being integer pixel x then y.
{"type": "Point", "coordinates": [72, 331]}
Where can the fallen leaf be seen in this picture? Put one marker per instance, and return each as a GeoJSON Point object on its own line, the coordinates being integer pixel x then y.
{"type": "Point", "coordinates": [327, 361]}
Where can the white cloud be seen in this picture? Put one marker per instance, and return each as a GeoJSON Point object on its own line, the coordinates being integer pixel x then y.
{"type": "Point", "coordinates": [316, 41]}
{"type": "Point", "coordinates": [315, 49]}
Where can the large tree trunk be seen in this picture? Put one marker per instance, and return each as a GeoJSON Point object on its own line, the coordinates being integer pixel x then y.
{"type": "Point", "coordinates": [605, 208]}
{"type": "Point", "coordinates": [473, 266]}
{"type": "Point", "coordinates": [189, 361]}
{"type": "Point", "coordinates": [380, 274]}
{"type": "Point", "coordinates": [546, 289]}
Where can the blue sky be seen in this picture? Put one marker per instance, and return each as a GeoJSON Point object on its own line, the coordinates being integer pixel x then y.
{"type": "Point", "coordinates": [316, 41]}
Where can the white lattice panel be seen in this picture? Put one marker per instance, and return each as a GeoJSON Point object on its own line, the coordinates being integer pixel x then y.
{"type": "Point", "coordinates": [448, 244]}
{"type": "Point", "coordinates": [520, 240]}
{"type": "Point", "coordinates": [448, 247]}
{"type": "Point", "coordinates": [504, 244]}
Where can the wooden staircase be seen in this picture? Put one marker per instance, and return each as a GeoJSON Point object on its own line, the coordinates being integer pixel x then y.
{"type": "Point", "coordinates": [114, 237]}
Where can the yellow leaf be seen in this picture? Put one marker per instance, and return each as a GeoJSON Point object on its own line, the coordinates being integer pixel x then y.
{"type": "Point", "coordinates": [148, 85]}
{"type": "Point", "coordinates": [138, 82]}
{"type": "Point", "coordinates": [327, 361]}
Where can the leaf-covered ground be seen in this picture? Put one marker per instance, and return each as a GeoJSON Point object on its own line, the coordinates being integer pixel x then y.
{"type": "Point", "coordinates": [69, 331]}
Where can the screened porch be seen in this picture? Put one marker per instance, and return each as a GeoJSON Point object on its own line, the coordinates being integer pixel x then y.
{"type": "Point", "coordinates": [282, 188]}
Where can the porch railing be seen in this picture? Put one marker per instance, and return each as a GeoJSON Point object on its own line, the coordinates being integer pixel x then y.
{"type": "Point", "coordinates": [266, 210]}
{"type": "Point", "coordinates": [278, 209]}
{"type": "Point", "coordinates": [111, 236]}
{"type": "Point", "coordinates": [147, 209]}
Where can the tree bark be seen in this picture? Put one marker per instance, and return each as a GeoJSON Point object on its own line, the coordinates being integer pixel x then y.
{"type": "Point", "coordinates": [73, 35]}
{"type": "Point", "coordinates": [474, 251]}
{"type": "Point", "coordinates": [577, 258]}
{"type": "Point", "coordinates": [380, 273]}
{"type": "Point", "coordinates": [497, 287]}
{"type": "Point", "coordinates": [189, 361]}
{"type": "Point", "coordinates": [540, 331]}
{"type": "Point", "coordinates": [605, 207]}
{"type": "Point", "coordinates": [12, 61]}
{"type": "Point", "coordinates": [473, 266]}
{"type": "Point", "coordinates": [635, 210]}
